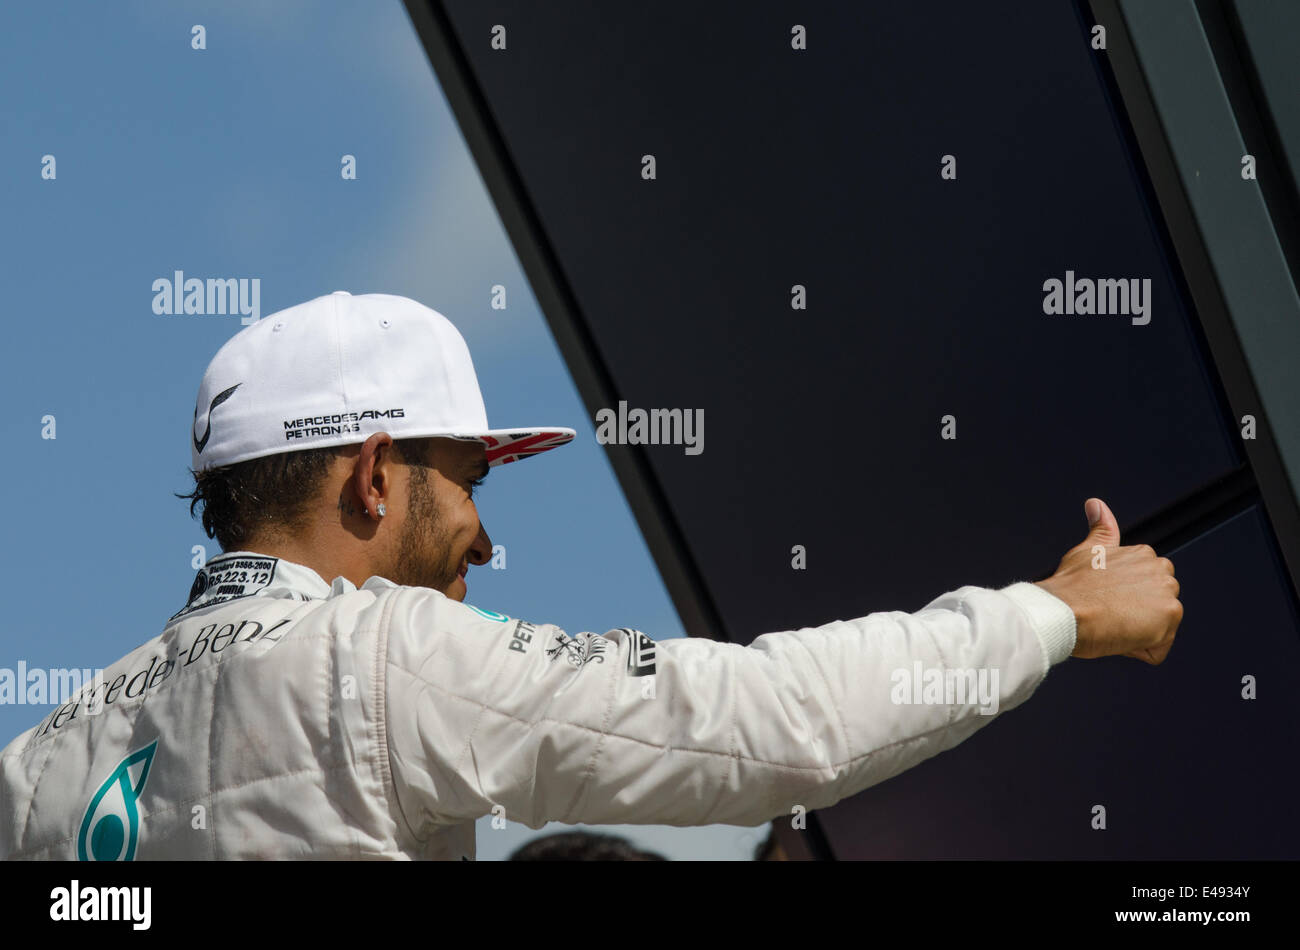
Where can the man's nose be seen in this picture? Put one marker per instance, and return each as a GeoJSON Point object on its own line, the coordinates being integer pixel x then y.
{"type": "Point", "coordinates": [480, 552]}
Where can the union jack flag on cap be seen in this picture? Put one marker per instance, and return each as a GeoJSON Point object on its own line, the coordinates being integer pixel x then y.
{"type": "Point", "coordinates": [515, 445]}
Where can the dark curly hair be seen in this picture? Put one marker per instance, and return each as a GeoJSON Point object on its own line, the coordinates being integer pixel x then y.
{"type": "Point", "coordinates": [273, 493]}
{"type": "Point", "coordinates": [582, 846]}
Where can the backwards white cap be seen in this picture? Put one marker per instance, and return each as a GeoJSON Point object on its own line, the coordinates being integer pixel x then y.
{"type": "Point", "coordinates": [336, 370]}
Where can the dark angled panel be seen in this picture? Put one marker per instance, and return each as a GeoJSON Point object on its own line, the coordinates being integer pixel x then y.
{"type": "Point", "coordinates": [1185, 767]}
{"type": "Point", "coordinates": [925, 296]}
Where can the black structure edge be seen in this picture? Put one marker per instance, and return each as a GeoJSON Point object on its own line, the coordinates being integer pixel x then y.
{"type": "Point", "coordinates": [1241, 83]}
{"type": "Point", "coordinates": [1119, 63]}
{"type": "Point", "coordinates": [1198, 513]}
{"type": "Point", "coordinates": [663, 535]}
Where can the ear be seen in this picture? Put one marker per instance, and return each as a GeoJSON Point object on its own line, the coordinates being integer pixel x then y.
{"type": "Point", "coordinates": [373, 476]}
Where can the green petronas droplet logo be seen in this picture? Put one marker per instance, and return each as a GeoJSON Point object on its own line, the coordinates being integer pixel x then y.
{"type": "Point", "coordinates": [111, 826]}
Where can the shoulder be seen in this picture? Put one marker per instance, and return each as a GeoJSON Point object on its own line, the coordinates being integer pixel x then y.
{"type": "Point", "coordinates": [423, 623]}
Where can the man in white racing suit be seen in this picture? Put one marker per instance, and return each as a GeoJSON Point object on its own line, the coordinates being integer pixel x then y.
{"type": "Point", "coordinates": [325, 692]}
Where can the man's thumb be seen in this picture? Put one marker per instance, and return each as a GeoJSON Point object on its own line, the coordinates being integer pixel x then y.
{"type": "Point", "coordinates": [1101, 520]}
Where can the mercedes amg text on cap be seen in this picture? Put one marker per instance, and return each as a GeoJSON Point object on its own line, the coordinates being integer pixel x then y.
{"type": "Point", "coordinates": [336, 370]}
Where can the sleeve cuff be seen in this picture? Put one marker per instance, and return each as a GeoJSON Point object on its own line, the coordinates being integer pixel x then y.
{"type": "Point", "coordinates": [1051, 618]}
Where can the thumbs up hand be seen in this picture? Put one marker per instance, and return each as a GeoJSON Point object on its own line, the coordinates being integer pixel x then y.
{"type": "Point", "coordinates": [1125, 599]}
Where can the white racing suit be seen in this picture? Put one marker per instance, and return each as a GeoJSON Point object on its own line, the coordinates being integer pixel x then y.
{"type": "Point", "coordinates": [278, 716]}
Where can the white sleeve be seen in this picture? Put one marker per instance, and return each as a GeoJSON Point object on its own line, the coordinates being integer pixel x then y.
{"type": "Point", "coordinates": [620, 729]}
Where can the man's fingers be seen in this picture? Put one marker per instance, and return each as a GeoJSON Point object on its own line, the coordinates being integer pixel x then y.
{"type": "Point", "coordinates": [1104, 529]}
{"type": "Point", "coordinates": [1126, 604]}
{"type": "Point", "coordinates": [1155, 655]}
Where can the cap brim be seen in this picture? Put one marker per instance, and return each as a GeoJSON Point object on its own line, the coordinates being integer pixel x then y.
{"type": "Point", "coordinates": [511, 445]}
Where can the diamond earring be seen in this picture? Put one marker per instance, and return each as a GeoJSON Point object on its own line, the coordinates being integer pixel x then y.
{"type": "Point", "coordinates": [381, 509]}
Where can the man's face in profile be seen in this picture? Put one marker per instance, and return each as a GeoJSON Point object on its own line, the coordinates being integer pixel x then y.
{"type": "Point", "coordinates": [441, 535]}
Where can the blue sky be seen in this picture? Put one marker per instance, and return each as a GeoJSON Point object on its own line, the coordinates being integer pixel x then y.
{"type": "Point", "coordinates": [225, 162]}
